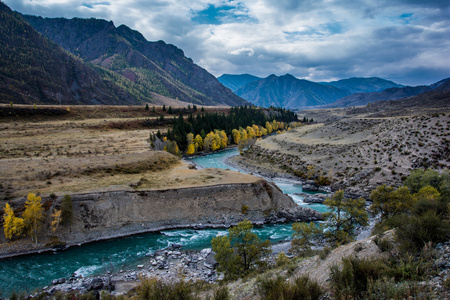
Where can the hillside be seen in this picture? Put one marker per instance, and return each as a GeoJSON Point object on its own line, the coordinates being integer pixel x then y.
{"type": "Point", "coordinates": [35, 70]}
{"type": "Point", "coordinates": [388, 94]}
{"type": "Point", "coordinates": [235, 82]}
{"type": "Point", "coordinates": [362, 147]}
{"type": "Point", "coordinates": [290, 92]}
{"type": "Point", "coordinates": [363, 85]}
{"type": "Point", "coordinates": [137, 65]}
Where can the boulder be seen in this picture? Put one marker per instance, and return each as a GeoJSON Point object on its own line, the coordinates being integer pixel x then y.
{"type": "Point", "coordinates": [310, 187]}
{"type": "Point", "coordinates": [210, 261]}
{"type": "Point", "coordinates": [316, 198]}
{"type": "Point", "coordinates": [299, 213]}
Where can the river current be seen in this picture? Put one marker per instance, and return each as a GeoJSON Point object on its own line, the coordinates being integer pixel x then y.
{"type": "Point", "coordinates": [31, 272]}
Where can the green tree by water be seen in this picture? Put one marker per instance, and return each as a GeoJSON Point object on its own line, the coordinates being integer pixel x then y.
{"type": "Point", "coordinates": [344, 217]}
{"type": "Point", "coordinates": [240, 251]}
{"type": "Point", "coordinates": [67, 211]}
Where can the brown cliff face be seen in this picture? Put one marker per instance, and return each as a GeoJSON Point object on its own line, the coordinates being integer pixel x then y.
{"type": "Point", "coordinates": [105, 215]}
{"type": "Point", "coordinates": [109, 214]}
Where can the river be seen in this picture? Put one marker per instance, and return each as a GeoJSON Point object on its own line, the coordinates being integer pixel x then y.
{"type": "Point", "coordinates": [31, 272]}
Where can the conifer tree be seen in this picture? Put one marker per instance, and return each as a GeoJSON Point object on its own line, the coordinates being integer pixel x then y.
{"type": "Point", "coordinates": [240, 251]}
{"type": "Point", "coordinates": [67, 210]}
{"type": "Point", "coordinates": [344, 215]}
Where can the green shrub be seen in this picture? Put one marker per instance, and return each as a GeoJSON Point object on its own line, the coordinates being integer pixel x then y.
{"type": "Point", "coordinates": [352, 280]}
{"type": "Point", "coordinates": [302, 288]}
{"type": "Point", "coordinates": [324, 252]}
{"type": "Point", "coordinates": [154, 289]}
{"type": "Point", "coordinates": [383, 243]}
{"type": "Point", "coordinates": [222, 293]}
{"type": "Point", "coordinates": [282, 259]}
{"type": "Point", "coordinates": [415, 231]}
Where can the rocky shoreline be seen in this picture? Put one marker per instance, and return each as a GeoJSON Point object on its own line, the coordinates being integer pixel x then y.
{"type": "Point", "coordinates": [169, 264]}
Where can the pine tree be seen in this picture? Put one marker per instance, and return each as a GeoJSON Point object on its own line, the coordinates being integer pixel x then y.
{"type": "Point", "coordinates": [67, 210]}
{"type": "Point", "coordinates": [240, 251]}
{"type": "Point", "coordinates": [344, 215]}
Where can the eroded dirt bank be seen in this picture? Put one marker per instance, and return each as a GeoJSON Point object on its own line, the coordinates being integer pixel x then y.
{"type": "Point", "coordinates": [110, 214]}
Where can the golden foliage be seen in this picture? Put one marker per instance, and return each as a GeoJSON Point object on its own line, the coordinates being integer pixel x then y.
{"type": "Point", "coordinates": [56, 219]}
{"type": "Point", "coordinates": [12, 225]}
{"type": "Point", "coordinates": [33, 215]}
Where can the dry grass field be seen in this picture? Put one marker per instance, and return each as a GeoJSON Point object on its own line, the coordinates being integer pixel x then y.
{"type": "Point", "coordinates": [92, 148]}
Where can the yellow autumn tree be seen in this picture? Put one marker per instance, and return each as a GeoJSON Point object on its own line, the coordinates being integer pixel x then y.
{"type": "Point", "coordinates": [198, 142]}
{"type": "Point", "coordinates": [56, 219]}
{"type": "Point", "coordinates": [275, 125]}
{"type": "Point", "coordinates": [264, 131]}
{"type": "Point", "coordinates": [33, 216]}
{"type": "Point", "coordinates": [250, 132]}
{"type": "Point", "coordinates": [190, 149]}
{"type": "Point", "coordinates": [269, 127]}
{"type": "Point", "coordinates": [13, 226]}
{"type": "Point", "coordinates": [217, 141]}
{"type": "Point", "coordinates": [243, 132]}
{"type": "Point", "coordinates": [257, 130]}
{"type": "Point", "coordinates": [223, 139]}
{"type": "Point", "coordinates": [208, 142]}
{"type": "Point", "coordinates": [236, 136]}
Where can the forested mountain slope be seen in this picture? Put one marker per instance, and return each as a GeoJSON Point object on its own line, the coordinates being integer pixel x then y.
{"type": "Point", "coordinates": [138, 65]}
{"type": "Point", "coordinates": [35, 70]}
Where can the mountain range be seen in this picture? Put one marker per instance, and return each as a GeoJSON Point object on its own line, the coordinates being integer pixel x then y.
{"type": "Point", "coordinates": [235, 82]}
{"type": "Point", "coordinates": [90, 61]}
{"type": "Point", "coordinates": [290, 92]}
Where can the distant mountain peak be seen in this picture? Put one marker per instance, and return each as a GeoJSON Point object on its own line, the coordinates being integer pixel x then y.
{"type": "Point", "coordinates": [235, 82]}
{"type": "Point", "coordinates": [289, 91]}
{"type": "Point", "coordinates": [363, 85]}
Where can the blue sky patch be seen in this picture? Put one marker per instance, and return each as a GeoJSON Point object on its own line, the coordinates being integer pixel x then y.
{"type": "Point", "coordinates": [406, 17]}
{"type": "Point", "coordinates": [217, 15]}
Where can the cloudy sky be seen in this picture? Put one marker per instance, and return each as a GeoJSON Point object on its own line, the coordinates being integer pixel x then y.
{"type": "Point", "coordinates": [407, 41]}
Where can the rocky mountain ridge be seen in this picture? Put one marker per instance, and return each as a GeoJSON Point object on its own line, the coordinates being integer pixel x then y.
{"type": "Point", "coordinates": [363, 85]}
{"type": "Point", "coordinates": [235, 82]}
{"type": "Point", "coordinates": [35, 70]}
{"type": "Point", "coordinates": [288, 91]}
{"type": "Point", "coordinates": [146, 66]}
{"type": "Point", "coordinates": [90, 61]}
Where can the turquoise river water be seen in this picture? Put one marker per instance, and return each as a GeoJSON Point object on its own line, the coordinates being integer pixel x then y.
{"type": "Point", "coordinates": [31, 272]}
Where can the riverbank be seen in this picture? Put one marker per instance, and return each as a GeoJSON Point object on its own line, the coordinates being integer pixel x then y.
{"type": "Point", "coordinates": [169, 265]}
{"type": "Point", "coordinates": [107, 215]}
